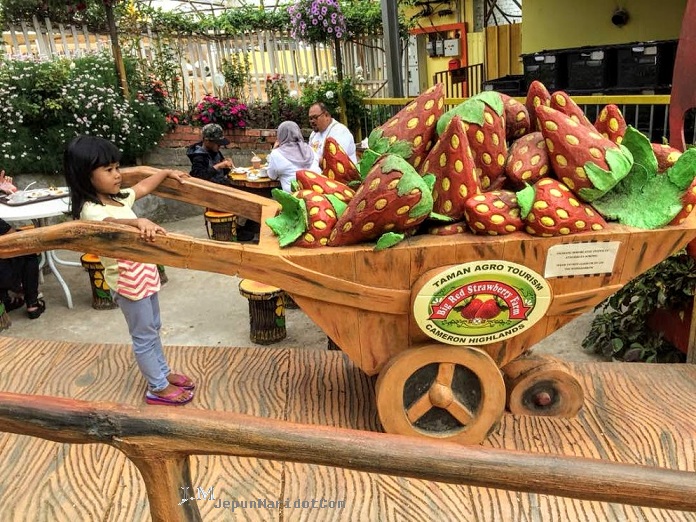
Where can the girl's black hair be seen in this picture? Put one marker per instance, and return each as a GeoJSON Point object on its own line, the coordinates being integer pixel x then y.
{"type": "Point", "coordinates": [82, 156]}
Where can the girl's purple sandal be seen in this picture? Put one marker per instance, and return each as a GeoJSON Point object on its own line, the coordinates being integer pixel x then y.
{"type": "Point", "coordinates": [182, 381]}
{"type": "Point", "coordinates": [168, 399]}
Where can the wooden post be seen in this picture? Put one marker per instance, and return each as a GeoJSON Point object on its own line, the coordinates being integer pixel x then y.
{"type": "Point", "coordinates": [167, 478]}
{"type": "Point", "coordinates": [116, 49]}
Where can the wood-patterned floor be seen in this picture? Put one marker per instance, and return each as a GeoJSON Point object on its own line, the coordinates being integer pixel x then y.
{"type": "Point", "coordinates": [636, 413]}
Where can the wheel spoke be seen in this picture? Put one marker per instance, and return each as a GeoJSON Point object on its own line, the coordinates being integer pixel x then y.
{"type": "Point", "coordinates": [445, 374]}
{"type": "Point", "coordinates": [460, 412]}
{"type": "Point", "coordinates": [419, 408]}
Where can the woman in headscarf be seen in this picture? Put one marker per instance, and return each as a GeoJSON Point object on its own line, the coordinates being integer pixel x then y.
{"type": "Point", "coordinates": [290, 154]}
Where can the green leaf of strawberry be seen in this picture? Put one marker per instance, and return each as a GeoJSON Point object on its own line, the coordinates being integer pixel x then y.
{"type": "Point", "coordinates": [644, 198]}
{"type": "Point", "coordinates": [368, 159]}
{"type": "Point", "coordinates": [292, 221]}
{"type": "Point", "coordinates": [472, 110]}
{"type": "Point", "coordinates": [388, 240]}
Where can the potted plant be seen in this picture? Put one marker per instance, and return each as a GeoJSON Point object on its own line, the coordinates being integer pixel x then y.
{"type": "Point", "coordinates": [649, 318]}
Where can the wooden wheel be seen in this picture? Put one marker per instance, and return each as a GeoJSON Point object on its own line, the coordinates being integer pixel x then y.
{"type": "Point", "coordinates": [542, 386]}
{"type": "Point", "coordinates": [453, 393]}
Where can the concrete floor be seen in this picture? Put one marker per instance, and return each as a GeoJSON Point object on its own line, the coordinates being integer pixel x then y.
{"type": "Point", "coordinates": [201, 309]}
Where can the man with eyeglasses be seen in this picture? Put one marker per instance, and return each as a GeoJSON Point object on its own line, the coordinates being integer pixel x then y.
{"type": "Point", "coordinates": [324, 126]}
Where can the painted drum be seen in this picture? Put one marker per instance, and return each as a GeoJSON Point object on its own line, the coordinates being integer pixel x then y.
{"type": "Point", "coordinates": [481, 302]}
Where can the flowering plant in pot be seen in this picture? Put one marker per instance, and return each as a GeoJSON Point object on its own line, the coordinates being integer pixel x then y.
{"type": "Point", "coordinates": [229, 113]}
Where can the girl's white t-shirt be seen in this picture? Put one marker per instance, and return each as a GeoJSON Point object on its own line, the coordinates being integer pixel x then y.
{"type": "Point", "coordinates": [131, 279]}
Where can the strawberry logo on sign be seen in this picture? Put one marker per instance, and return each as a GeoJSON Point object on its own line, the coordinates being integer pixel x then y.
{"type": "Point", "coordinates": [481, 302]}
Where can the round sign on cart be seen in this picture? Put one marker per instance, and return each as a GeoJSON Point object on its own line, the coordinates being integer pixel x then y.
{"type": "Point", "coordinates": [481, 302]}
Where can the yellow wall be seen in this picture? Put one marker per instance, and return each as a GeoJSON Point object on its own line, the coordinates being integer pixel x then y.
{"type": "Point", "coordinates": [559, 24]}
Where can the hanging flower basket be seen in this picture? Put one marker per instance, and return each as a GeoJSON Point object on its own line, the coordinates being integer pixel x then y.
{"type": "Point", "coordinates": [317, 21]}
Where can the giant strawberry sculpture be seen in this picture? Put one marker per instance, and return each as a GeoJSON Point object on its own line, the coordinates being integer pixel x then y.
{"type": "Point", "coordinates": [392, 200]}
{"type": "Point", "coordinates": [484, 118]}
{"type": "Point", "coordinates": [584, 160]}
{"type": "Point", "coordinates": [452, 164]}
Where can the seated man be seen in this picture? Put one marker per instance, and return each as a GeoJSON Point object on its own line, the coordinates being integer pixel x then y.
{"type": "Point", "coordinates": [19, 276]}
{"type": "Point", "coordinates": [324, 126]}
{"type": "Point", "coordinates": [207, 162]}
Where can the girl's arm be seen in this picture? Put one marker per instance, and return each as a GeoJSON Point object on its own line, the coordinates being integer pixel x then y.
{"type": "Point", "coordinates": [148, 229]}
{"type": "Point", "coordinates": [156, 176]}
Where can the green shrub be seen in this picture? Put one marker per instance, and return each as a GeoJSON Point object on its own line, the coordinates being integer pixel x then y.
{"type": "Point", "coordinates": [46, 104]}
{"type": "Point", "coordinates": [343, 98]}
{"type": "Point", "coordinates": [620, 329]}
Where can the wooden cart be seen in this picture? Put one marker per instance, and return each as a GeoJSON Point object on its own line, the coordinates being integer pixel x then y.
{"type": "Point", "coordinates": [364, 301]}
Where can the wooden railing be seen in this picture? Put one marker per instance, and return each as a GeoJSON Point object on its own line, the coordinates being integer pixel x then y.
{"type": "Point", "coordinates": [463, 82]}
{"type": "Point", "coordinates": [160, 442]}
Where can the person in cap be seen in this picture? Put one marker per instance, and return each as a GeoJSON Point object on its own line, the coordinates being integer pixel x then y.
{"type": "Point", "coordinates": [207, 162]}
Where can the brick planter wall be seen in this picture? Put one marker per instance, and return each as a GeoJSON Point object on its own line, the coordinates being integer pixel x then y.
{"type": "Point", "coordinates": [240, 139]}
{"type": "Point", "coordinates": [171, 149]}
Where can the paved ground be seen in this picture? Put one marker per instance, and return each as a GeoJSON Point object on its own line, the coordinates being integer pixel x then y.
{"type": "Point", "coordinates": [200, 308]}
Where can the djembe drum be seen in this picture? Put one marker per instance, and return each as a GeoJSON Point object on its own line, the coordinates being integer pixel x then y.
{"type": "Point", "coordinates": [5, 321]}
{"type": "Point", "coordinates": [101, 296]}
{"type": "Point", "coordinates": [221, 226]}
{"type": "Point", "coordinates": [266, 311]}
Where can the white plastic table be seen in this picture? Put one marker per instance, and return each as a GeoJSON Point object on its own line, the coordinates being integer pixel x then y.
{"type": "Point", "coordinates": [39, 212]}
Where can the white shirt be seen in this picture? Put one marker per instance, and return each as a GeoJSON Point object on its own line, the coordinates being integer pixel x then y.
{"type": "Point", "coordinates": [340, 133]}
{"type": "Point", "coordinates": [282, 169]}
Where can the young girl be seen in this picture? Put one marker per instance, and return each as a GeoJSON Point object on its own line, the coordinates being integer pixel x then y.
{"type": "Point", "coordinates": [92, 172]}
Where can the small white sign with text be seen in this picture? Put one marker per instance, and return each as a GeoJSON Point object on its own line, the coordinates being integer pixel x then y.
{"type": "Point", "coordinates": [581, 259]}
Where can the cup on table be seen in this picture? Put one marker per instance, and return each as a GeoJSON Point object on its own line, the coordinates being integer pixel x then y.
{"type": "Point", "coordinates": [256, 163]}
